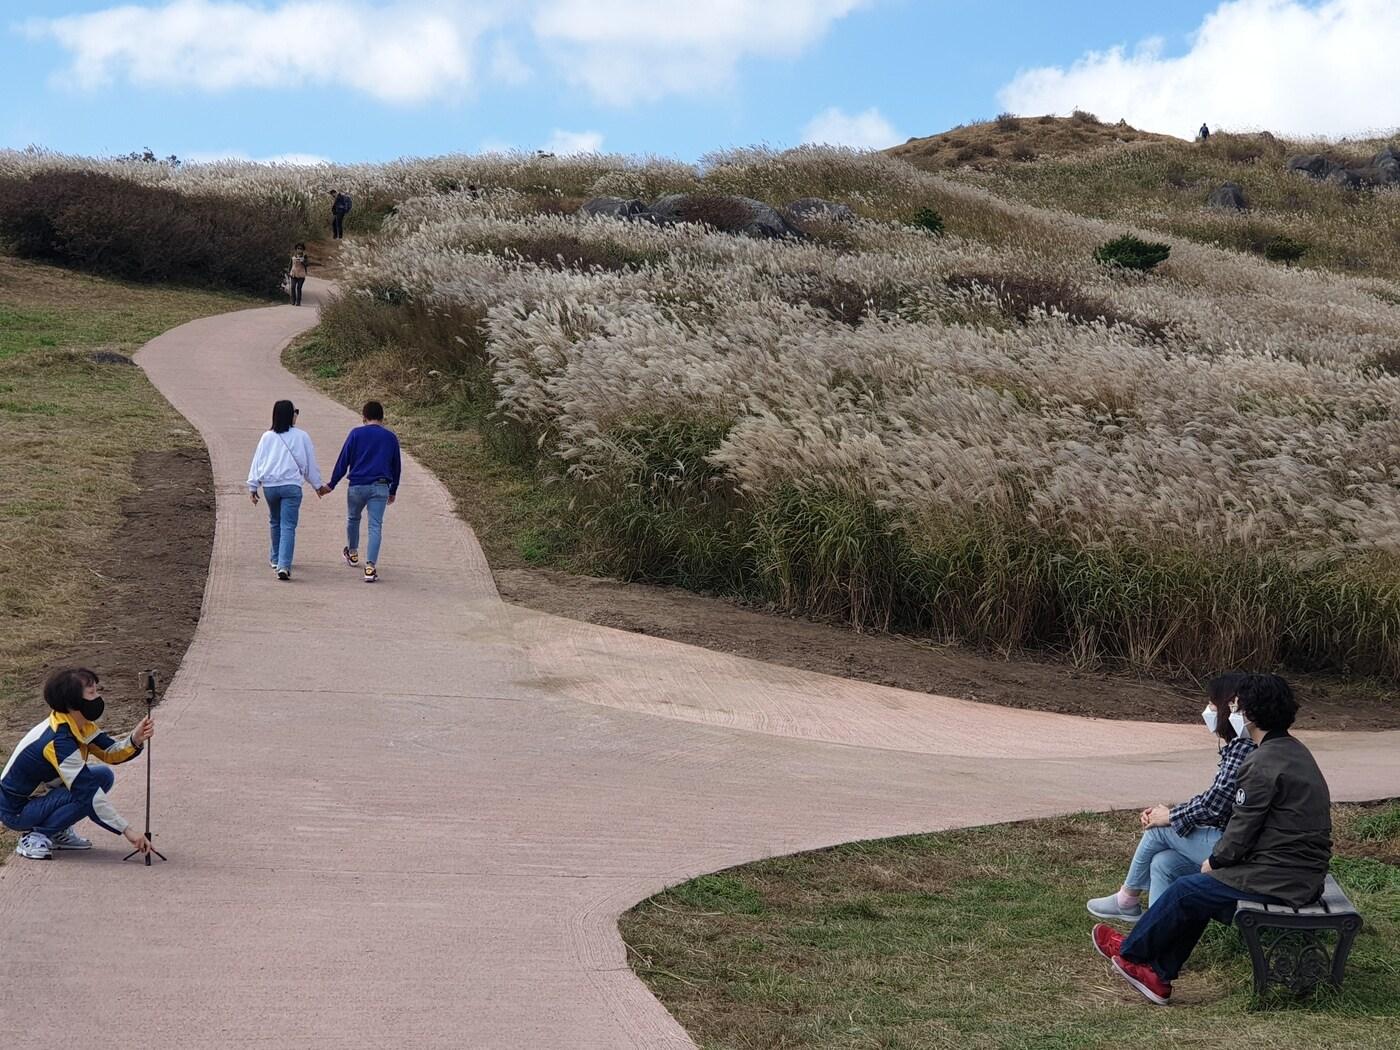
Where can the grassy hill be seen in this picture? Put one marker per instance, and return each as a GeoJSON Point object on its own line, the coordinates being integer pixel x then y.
{"type": "Point", "coordinates": [1117, 173]}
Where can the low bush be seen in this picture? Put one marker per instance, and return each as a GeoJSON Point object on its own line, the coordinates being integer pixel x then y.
{"type": "Point", "coordinates": [716, 211]}
{"type": "Point", "coordinates": [101, 224]}
{"type": "Point", "coordinates": [927, 219]}
{"type": "Point", "coordinates": [1020, 295]}
{"type": "Point", "coordinates": [1285, 250]}
{"type": "Point", "coordinates": [1132, 253]}
{"type": "Point", "coordinates": [1007, 122]}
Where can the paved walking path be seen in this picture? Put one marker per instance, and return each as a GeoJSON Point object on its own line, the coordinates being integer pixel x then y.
{"type": "Point", "coordinates": [408, 815]}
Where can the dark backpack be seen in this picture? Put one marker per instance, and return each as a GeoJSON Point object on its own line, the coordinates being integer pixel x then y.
{"type": "Point", "coordinates": [342, 204]}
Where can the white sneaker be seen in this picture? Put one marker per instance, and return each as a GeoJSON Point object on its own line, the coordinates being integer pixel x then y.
{"type": "Point", "coordinates": [1109, 908]}
{"type": "Point", "coordinates": [34, 846]}
{"type": "Point", "coordinates": [69, 839]}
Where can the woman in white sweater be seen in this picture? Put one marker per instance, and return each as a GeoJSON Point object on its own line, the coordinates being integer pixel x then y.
{"type": "Point", "coordinates": [284, 459]}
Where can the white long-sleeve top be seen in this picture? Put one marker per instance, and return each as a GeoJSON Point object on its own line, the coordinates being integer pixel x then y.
{"type": "Point", "coordinates": [284, 459]}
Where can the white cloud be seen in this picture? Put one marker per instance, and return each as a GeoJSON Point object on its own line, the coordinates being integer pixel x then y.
{"type": "Point", "coordinates": [865, 130]}
{"type": "Point", "coordinates": [411, 51]}
{"type": "Point", "coordinates": [507, 67]}
{"type": "Point", "coordinates": [1285, 65]}
{"type": "Point", "coordinates": [564, 142]}
{"type": "Point", "coordinates": [398, 53]}
{"type": "Point", "coordinates": [625, 51]}
{"type": "Point", "coordinates": [298, 160]}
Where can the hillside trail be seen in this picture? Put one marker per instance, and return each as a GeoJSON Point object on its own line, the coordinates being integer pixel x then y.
{"type": "Point", "coordinates": [407, 814]}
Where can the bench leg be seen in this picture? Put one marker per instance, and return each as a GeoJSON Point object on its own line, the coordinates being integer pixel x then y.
{"type": "Point", "coordinates": [1298, 958]}
{"type": "Point", "coordinates": [1345, 936]}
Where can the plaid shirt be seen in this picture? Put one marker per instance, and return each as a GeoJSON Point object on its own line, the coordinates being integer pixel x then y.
{"type": "Point", "coordinates": [1211, 808]}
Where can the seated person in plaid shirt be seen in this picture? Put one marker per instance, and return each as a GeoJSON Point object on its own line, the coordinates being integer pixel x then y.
{"type": "Point", "coordinates": [1176, 840]}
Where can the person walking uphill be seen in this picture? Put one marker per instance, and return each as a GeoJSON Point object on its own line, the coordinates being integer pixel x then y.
{"type": "Point", "coordinates": [370, 456]}
{"type": "Point", "coordinates": [284, 459]}
{"type": "Point", "coordinates": [340, 207]}
{"type": "Point", "coordinates": [296, 273]}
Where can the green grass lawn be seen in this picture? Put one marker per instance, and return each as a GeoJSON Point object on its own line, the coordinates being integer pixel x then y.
{"type": "Point", "coordinates": [979, 938]}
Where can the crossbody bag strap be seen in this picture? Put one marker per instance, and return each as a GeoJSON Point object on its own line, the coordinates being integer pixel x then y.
{"type": "Point", "coordinates": [293, 454]}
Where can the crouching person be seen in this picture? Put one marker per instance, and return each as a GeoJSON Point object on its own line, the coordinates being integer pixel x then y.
{"type": "Point", "coordinates": [70, 756]}
{"type": "Point", "coordinates": [1275, 849]}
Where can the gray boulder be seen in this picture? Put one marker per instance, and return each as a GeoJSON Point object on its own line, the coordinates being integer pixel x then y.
{"type": "Point", "coordinates": [1349, 180]}
{"type": "Point", "coordinates": [1314, 165]}
{"type": "Point", "coordinates": [730, 214]}
{"type": "Point", "coordinates": [816, 208]}
{"type": "Point", "coordinates": [1229, 196]}
{"type": "Point", "coordinates": [613, 207]}
{"type": "Point", "coordinates": [1386, 165]}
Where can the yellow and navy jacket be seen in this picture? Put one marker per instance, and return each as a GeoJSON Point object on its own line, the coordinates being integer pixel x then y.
{"type": "Point", "coordinates": [56, 752]}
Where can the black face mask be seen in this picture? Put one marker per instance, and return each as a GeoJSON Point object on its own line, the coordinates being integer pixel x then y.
{"type": "Point", "coordinates": [92, 709]}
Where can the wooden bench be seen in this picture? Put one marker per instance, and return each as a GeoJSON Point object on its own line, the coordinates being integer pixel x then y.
{"type": "Point", "coordinates": [1287, 945]}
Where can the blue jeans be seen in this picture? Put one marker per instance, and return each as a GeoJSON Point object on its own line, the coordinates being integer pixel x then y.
{"type": "Point", "coordinates": [283, 510]}
{"type": "Point", "coordinates": [1163, 856]}
{"type": "Point", "coordinates": [357, 497]}
{"type": "Point", "coordinates": [1168, 931]}
{"type": "Point", "coordinates": [60, 808]}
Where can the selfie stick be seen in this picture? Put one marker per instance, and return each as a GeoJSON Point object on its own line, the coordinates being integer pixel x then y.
{"type": "Point", "coordinates": [150, 677]}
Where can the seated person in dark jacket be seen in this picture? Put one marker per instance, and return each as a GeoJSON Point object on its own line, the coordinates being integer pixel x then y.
{"type": "Point", "coordinates": [1275, 849]}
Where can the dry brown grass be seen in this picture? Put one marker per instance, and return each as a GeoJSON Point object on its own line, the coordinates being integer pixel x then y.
{"type": "Point", "coordinates": [1014, 140]}
{"type": "Point", "coordinates": [70, 429]}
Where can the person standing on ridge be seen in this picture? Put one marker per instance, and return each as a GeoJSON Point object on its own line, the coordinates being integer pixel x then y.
{"type": "Point", "coordinates": [370, 456]}
{"type": "Point", "coordinates": [1204, 133]}
{"type": "Point", "coordinates": [340, 207]}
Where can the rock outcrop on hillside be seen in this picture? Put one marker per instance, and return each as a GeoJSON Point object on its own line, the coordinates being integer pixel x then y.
{"type": "Point", "coordinates": [729, 213]}
{"type": "Point", "coordinates": [1383, 170]}
{"type": "Point", "coordinates": [613, 207]}
{"type": "Point", "coordinates": [1229, 196]}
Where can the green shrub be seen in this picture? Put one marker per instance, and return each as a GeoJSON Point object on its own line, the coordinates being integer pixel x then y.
{"type": "Point", "coordinates": [1285, 250]}
{"type": "Point", "coordinates": [1132, 253]}
{"type": "Point", "coordinates": [927, 219]}
{"type": "Point", "coordinates": [101, 224]}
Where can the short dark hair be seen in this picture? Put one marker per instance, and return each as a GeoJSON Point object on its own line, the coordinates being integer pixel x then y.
{"type": "Point", "coordinates": [373, 410]}
{"type": "Point", "coordinates": [1267, 701]}
{"type": "Point", "coordinates": [299, 244]}
{"type": "Point", "coordinates": [63, 691]}
{"type": "Point", "coordinates": [283, 413]}
{"type": "Point", "coordinates": [1220, 690]}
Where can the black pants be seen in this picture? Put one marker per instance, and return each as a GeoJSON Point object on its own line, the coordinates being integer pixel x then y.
{"type": "Point", "coordinates": [297, 282]}
{"type": "Point", "coordinates": [337, 224]}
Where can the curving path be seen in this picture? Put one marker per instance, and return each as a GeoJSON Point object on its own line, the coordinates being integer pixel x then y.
{"type": "Point", "coordinates": [409, 815]}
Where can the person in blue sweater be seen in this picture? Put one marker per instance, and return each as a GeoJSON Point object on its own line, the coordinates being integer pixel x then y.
{"type": "Point", "coordinates": [370, 457]}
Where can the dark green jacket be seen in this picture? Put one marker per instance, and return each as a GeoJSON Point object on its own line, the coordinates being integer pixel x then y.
{"type": "Point", "coordinates": [1279, 838]}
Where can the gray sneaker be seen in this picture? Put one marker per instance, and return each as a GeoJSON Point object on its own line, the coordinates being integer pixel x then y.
{"type": "Point", "coordinates": [69, 839]}
{"type": "Point", "coordinates": [33, 846]}
{"type": "Point", "coordinates": [1109, 908]}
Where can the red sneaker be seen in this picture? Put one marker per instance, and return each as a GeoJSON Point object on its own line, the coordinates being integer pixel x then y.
{"type": "Point", "coordinates": [1144, 979]}
{"type": "Point", "coordinates": [1108, 942]}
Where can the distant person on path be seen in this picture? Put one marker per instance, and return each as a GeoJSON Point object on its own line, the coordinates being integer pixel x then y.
{"type": "Point", "coordinates": [283, 460]}
{"type": "Point", "coordinates": [1175, 840]}
{"type": "Point", "coordinates": [1275, 849]}
{"type": "Point", "coordinates": [340, 207]}
{"type": "Point", "coordinates": [1203, 134]}
{"type": "Point", "coordinates": [296, 273]}
{"type": "Point", "coordinates": [370, 456]}
{"type": "Point", "coordinates": [70, 755]}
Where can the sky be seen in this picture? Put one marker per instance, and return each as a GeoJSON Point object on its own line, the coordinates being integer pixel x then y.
{"type": "Point", "coordinates": [372, 80]}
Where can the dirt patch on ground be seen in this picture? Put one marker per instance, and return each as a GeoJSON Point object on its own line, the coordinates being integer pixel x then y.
{"type": "Point", "coordinates": [149, 585]}
{"type": "Point", "coordinates": [895, 660]}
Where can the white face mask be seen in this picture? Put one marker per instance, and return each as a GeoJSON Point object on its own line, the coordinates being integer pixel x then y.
{"type": "Point", "coordinates": [1237, 720]}
{"type": "Point", "coordinates": [1210, 718]}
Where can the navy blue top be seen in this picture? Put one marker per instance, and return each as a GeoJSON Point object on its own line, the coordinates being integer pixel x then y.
{"type": "Point", "coordinates": [370, 454]}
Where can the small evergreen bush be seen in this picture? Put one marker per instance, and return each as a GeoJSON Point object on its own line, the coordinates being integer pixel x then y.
{"type": "Point", "coordinates": [1285, 250]}
{"type": "Point", "coordinates": [1132, 253]}
{"type": "Point", "coordinates": [927, 219]}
